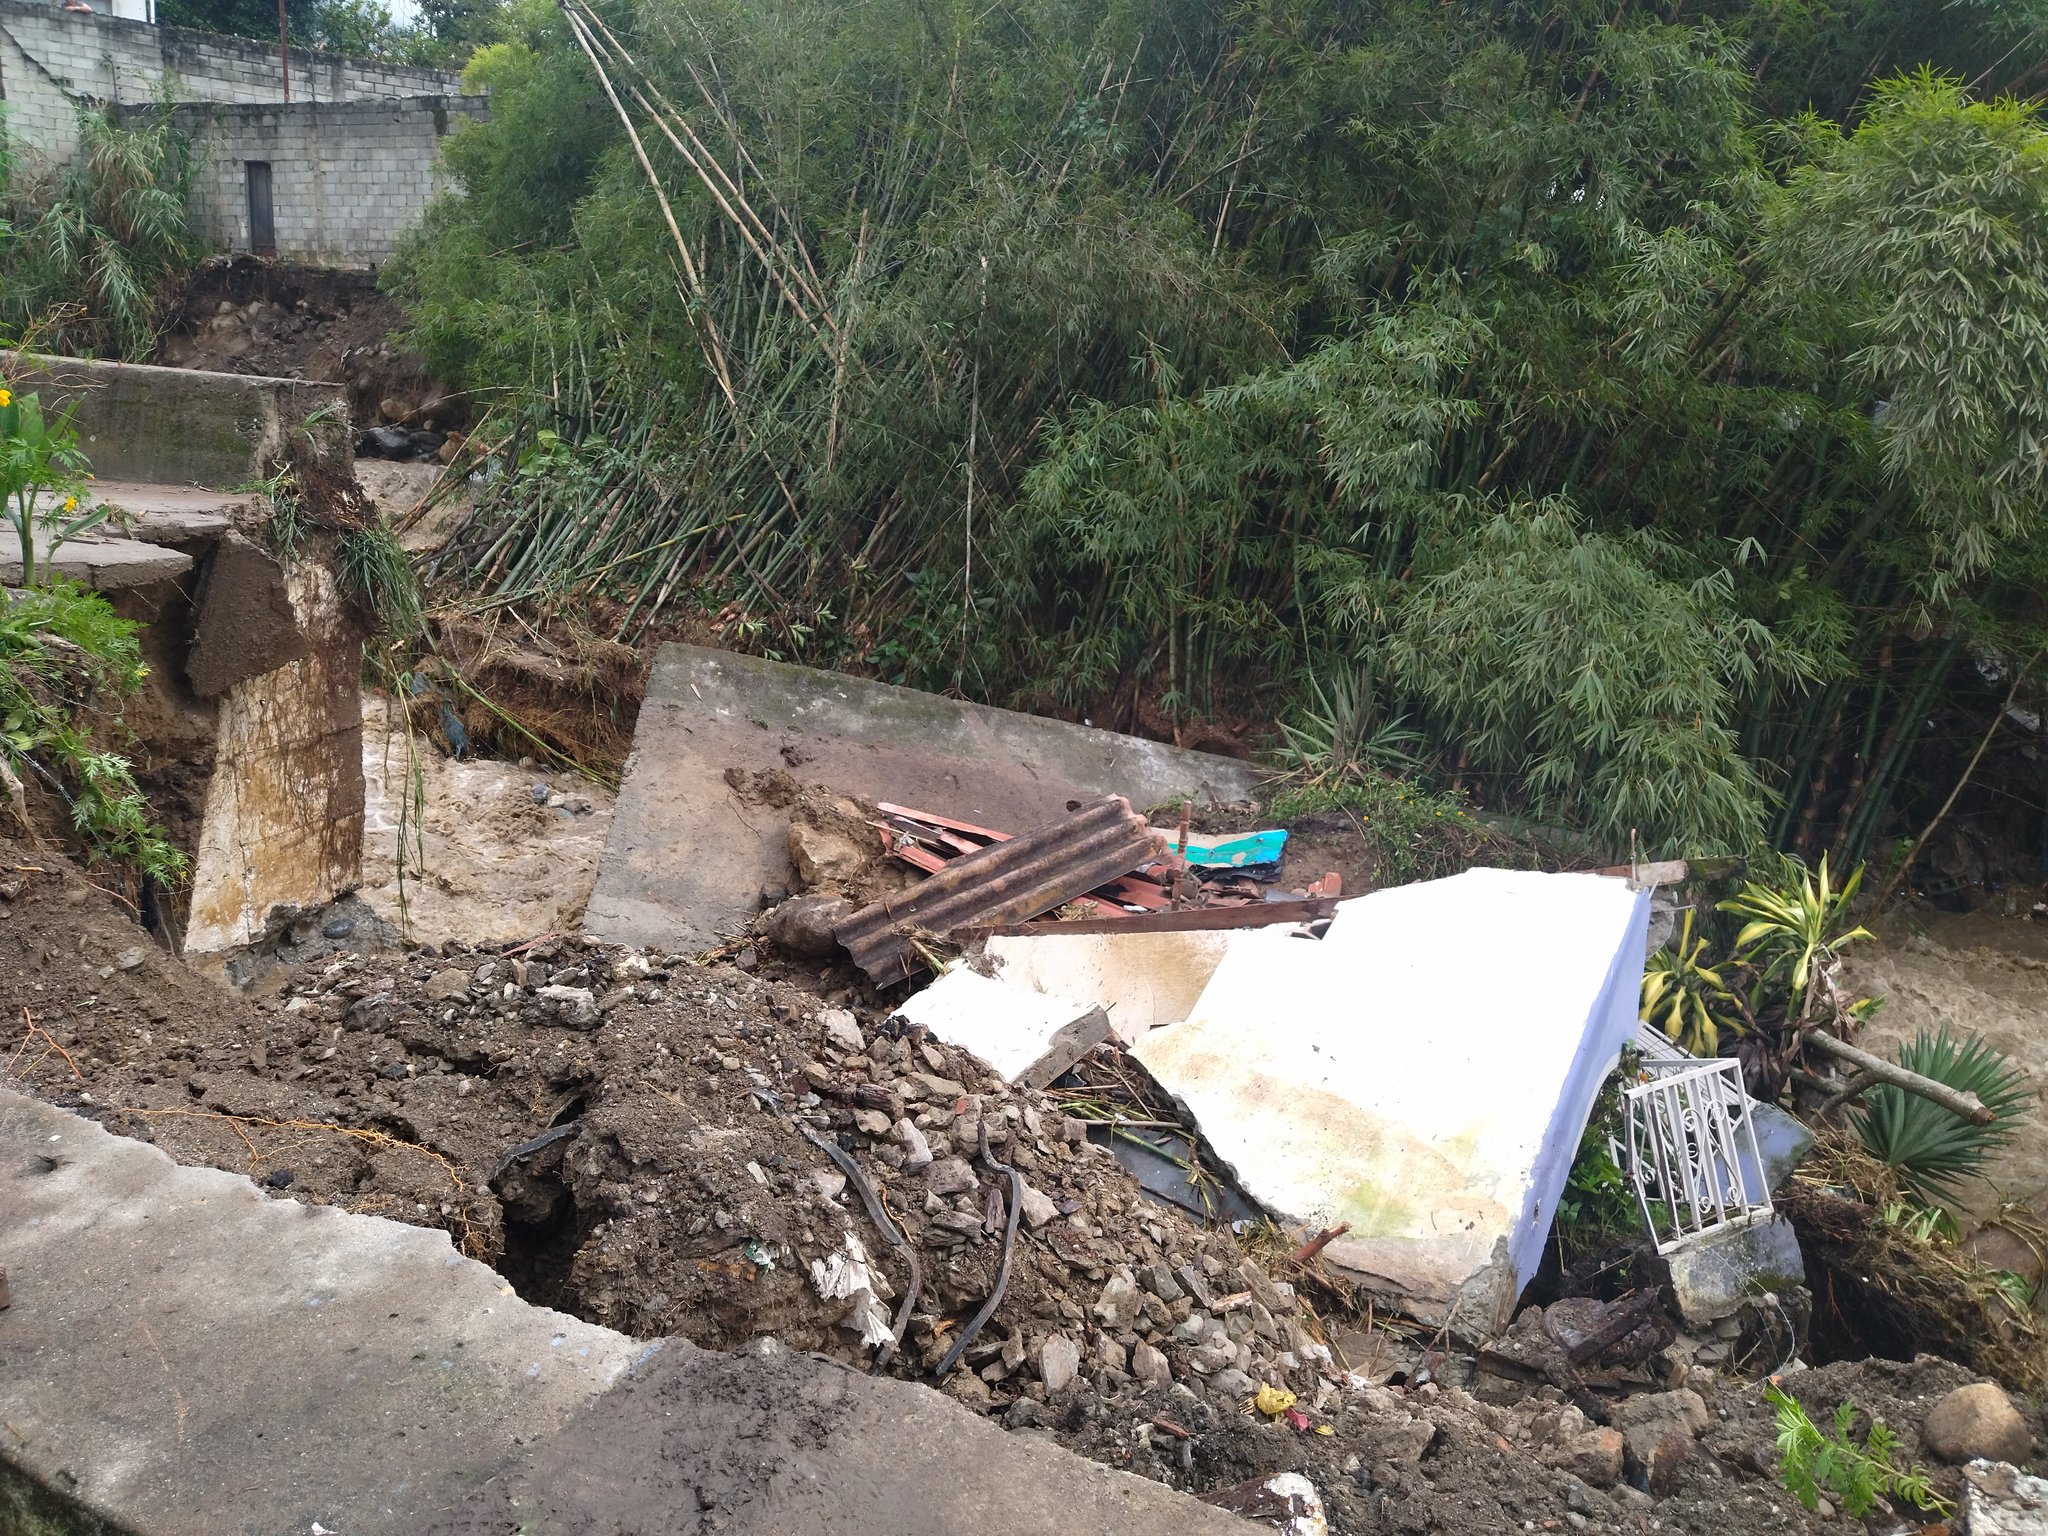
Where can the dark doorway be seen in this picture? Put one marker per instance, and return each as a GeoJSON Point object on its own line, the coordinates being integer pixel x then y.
{"type": "Point", "coordinates": [262, 224]}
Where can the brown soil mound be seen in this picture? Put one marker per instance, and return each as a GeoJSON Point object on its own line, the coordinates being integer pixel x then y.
{"type": "Point", "coordinates": [629, 1135]}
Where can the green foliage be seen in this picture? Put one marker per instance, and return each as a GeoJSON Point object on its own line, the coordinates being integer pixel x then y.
{"type": "Point", "coordinates": [1410, 831]}
{"type": "Point", "coordinates": [376, 569]}
{"type": "Point", "coordinates": [1933, 1150]}
{"type": "Point", "coordinates": [43, 491]}
{"type": "Point", "coordinates": [1793, 930]}
{"type": "Point", "coordinates": [1663, 444]}
{"type": "Point", "coordinates": [1339, 737]}
{"type": "Point", "coordinates": [1599, 1206]}
{"type": "Point", "coordinates": [1813, 1462]}
{"type": "Point", "coordinates": [63, 650]}
{"type": "Point", "coordinates": [86, 257]}
{"type": "Point", "coordinates": [1687, 998]}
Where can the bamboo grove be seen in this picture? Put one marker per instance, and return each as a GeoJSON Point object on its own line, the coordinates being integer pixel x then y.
{"type": "Point", "coordinates": [1648, 410]}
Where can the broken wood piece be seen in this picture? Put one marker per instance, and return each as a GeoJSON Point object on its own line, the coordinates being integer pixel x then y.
{"type": "Point", "coordinates": [1966, 1105]}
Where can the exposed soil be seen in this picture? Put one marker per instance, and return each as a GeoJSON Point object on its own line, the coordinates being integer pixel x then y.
{"type": "Point", "coordinates": [495, 852]}
{"type": "Point", "coordinates": [682, 1195]}
{"type": "Point", "coordinates": [251, 315]}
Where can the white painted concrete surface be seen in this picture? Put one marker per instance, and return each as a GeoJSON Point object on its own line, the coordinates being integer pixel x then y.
{"type": "Point", "coordinates": [1144, 980]}
{"type": "Point", "coordinates": [1423, 1073]}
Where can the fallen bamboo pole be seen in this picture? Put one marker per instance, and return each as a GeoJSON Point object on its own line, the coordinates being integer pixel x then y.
{"type": "Point", "coordinates": [1966, 1105]}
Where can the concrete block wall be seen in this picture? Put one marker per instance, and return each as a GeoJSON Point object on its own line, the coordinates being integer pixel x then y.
{"type": "Point", "coordinates": [347, 179]}
{"type": "Point", "coordinates": [52, 59]}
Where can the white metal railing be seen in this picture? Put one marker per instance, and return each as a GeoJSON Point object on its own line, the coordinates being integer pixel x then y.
{"type": "Point", "coordinates": [1689, 1138]}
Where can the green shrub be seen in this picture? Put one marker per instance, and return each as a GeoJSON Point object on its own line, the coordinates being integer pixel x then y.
{"type": "Point", "coordinates": [1933, 1150]}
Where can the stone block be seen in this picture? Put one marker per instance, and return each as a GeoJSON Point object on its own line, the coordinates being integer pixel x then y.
{"type": "Point", "coordinates": [1712, 1275]}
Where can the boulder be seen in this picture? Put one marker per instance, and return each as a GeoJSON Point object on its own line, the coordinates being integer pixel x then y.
{"type": "Point", "coordinates": [1657, 1430]}
{"type": "Point", "coordinates": [802, 926]}
{"type": "Point", "coordinates": [1977, 1421]}
{"type": "Point", "coordinates": [824, 858]}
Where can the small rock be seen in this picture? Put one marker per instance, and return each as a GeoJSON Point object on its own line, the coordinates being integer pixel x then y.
{"type": "Point", "coordinates": [1232, 1383]}
{"type": "Point", "coordinates": [842, 1032]}
{"type": "Point", "coordinates": [1110, 1355]}
{"type": "Point", "coordinates": [1158, 1279]}
{"type": "Point", "coordinates": [1059, 1362]}
{"type": "Point", "coordinates": [917, 1151]}
{"type": "Point", "coordinates": [447, 986]}
{"type": "Point", "coordinates": [1977, 1421]}
{"type": "Point", "coordinates": [574, 1007]}
{"type": "Point", "coordinates": [872, 1122]}
{"type": "Point", "coordinates": [1025, 1413]}
{"type": "Point", "coordinates": [1593, 1457]}
{"type": "Point", "coordinates": [1405, 1440]}
{"type": "Point", "coordinates": [279, 1178]}
{"type": "Point", "coordinates": [1117, 1306]}
{"type": "Point", "coordinates": [1038, 1207]}
{"type": "Point", "coordinates": [948, 1176]}
{"type": "Point", "coordinates": [824, 858]}
{"type": "Point", "coordinates": [337, 928]}
{"type": "Point", "coordinates": [1150, 1366]}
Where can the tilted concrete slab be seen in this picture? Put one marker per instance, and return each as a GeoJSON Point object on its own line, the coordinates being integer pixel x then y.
{"type": "Point", "coordinates": [1143, 979]}
{"type": "Point", "coordinates": [102, 561]}
{"type": "Point", "coordinates": [184, 1354]}
{"type": "Point", "coordinates": [766, 1443]}
{"type": "Point", "coordinates": [1422, 1073]}
{"type": "Point", "coordinates": [688, 863]}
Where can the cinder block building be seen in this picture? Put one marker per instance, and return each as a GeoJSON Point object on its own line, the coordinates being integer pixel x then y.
{"type": "Point", "coordinates": [333, 173]}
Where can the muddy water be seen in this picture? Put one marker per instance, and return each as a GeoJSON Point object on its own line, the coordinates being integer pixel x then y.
{"type": "Point", "coordinates": [1977, 974]}
{"type": "Point", "coordinates": [499, 866]}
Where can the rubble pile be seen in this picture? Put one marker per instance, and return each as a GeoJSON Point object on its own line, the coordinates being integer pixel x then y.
{"type": "Point", "coordinates": [642, 1139]}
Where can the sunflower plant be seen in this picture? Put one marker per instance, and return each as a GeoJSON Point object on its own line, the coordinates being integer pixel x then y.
{"type": "Point", "coordinates": [43, 481]}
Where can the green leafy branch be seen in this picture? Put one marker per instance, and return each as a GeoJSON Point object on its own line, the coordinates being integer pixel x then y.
{"type": "Point", "coordinates": [1855, 1478]}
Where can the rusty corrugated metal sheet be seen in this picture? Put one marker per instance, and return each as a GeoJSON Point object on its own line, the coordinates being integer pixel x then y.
{"type": "Point", "coordinates": [1007, 882]}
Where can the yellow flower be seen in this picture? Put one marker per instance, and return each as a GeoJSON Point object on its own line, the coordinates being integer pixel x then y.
{"type": "Point", "coordinates": [6, 398]}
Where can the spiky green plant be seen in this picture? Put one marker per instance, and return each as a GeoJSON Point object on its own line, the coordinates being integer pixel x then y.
{"type": "Point", "coordinates": [1933, 1150]}
{"type": "Point", "coordinates": [1794, 928]}
{"type": "Point", "coordinates": [1339, 733]}
{"type": "Point", "coordinates": [1686, 997]}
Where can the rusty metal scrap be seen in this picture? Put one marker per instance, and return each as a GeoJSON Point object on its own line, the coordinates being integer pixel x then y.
{"type": "Point", "coordinates": [1006, 882]}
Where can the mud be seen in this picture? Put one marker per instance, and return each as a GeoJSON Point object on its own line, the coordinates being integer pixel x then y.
{"type": "Point", "coordinates": [485, 860]}
{"type": "Point", "coordinates": [247, 314]}
{"type": "Point", "coordinates": [1976, 974]}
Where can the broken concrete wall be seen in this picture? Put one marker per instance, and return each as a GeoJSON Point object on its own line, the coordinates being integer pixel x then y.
{"type": "Point", "coordinates": [248, 732]}
{"type": "Point", "coordinates": [1421, 1074]}
{"type": "Point", "coordinates": [688, 863]}
{"type": "Point", "coordinates": [283, 828]}
{"type": "Point", "coordinates": [172, 426]}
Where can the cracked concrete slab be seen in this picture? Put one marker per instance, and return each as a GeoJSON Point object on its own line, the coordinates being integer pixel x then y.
{"type": "Point", "coordinates": [186, 1354]}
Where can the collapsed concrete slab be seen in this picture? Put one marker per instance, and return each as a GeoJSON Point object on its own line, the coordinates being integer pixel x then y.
{"type": "Point", "coordinates": [1143, 980]}
{"type": "Point", "coordinates": [687, 863]}
{"type": "Point", "coordinates": [1029, 1037]}
{"type": "Point", "coordinates": [1422, 1073]}
{"type": "Point", "coordinates": [183, 1354]}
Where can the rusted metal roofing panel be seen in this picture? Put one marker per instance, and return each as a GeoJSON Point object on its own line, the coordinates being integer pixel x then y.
{"type": "Point", "coordinates": [1007, 882]}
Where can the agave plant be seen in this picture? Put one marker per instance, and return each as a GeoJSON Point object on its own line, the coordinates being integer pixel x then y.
{"type": "Point", "coordinates": [1793, 933]}
{"type": "Point", "coordinates": [1339, 735]}
{"type": "Point", "coordinates": [1686, 998]}
{"type": "Point", "coordinates": [1931, 1149]}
